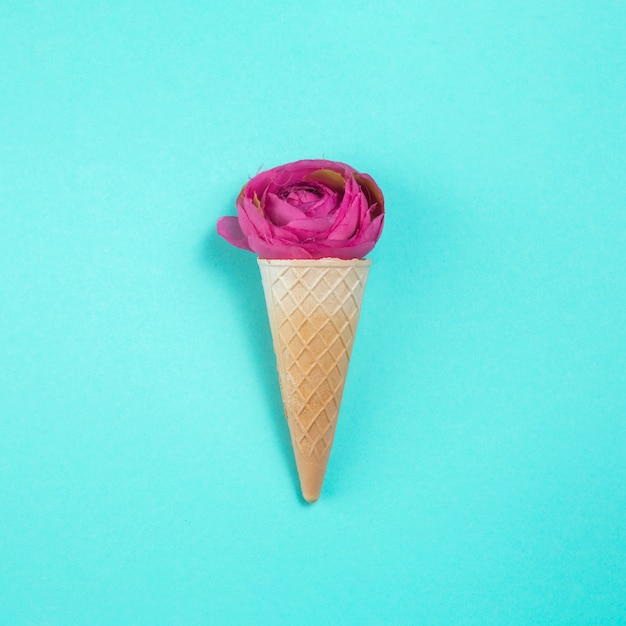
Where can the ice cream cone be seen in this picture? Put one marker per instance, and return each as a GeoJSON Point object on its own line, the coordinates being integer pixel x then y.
{"type": "Point", "coordinates": [313, 308]}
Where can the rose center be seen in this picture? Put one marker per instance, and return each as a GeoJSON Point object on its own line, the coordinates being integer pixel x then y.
{"type": "Point", "coordinates": [301, 196]}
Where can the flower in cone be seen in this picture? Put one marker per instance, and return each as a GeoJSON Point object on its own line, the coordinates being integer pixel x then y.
{"type": "Point", "coordinates": [311, 222]}
{"type": "Point", "coordinates": [307, 210]}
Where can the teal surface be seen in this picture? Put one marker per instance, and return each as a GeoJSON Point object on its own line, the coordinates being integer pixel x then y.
{"type": "Point", "coordinates": [479, 470]}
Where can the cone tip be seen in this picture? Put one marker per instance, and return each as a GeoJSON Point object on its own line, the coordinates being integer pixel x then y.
{"type": "Point", "coordinates": [311, 496]}
{"type": "Point", "coordinates": [311, 485]}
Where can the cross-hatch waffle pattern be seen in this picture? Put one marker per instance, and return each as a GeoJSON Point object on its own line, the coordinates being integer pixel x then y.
{"type": "Point", "coordinates": [316, 313]}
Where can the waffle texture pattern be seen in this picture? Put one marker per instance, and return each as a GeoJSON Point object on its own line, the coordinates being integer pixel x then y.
{"type": "Point", "coordinates": [313, 307]}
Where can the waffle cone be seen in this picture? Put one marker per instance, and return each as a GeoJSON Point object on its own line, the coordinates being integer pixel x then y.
{"type": "Point", "coordinates": [313, 308]}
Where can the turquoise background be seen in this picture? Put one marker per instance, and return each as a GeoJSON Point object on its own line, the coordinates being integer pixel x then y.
{"type": "Point", "coordinates": [479, 471]}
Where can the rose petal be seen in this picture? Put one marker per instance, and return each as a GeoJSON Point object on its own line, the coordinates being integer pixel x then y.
{"type": "Point", "coordinates": [329, 178]}
{"type": "Point", "coordinates": [228, 227]}
{"type": "Point", "coordinates": [372, 232]}
{"type": "Point", "coordinates": [280, 212]}
{"type": "Point", "coordinates": [310, 227]}
{"type": "Point", "coordinates": [354, 252]}
{"type": "Point", "coordinates": [250, 220]}
{"type": "Point", "coordinates": [372, 190]}
{"type": "Point", "coordinates": [327, 205]}
{"type": "Point", "coordinates": [322, 250]}
{"type": "Point", "coordinates": [277, 249]}
{"type": "Point", "coordinates": [349, 214]}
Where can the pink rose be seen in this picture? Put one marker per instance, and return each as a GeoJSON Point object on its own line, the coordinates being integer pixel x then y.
{"type": "Point", "coordinates": [307, 210]}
